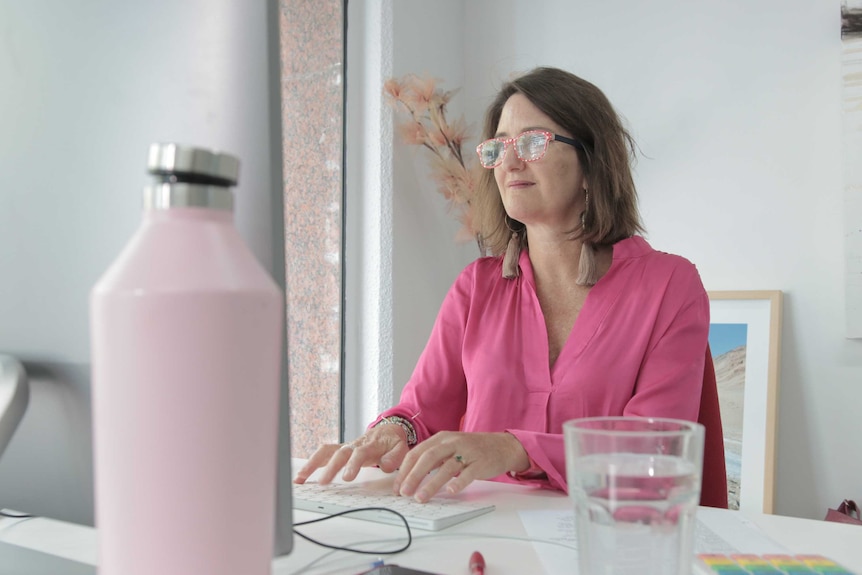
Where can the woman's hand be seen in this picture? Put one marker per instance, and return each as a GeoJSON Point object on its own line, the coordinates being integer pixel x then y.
{"type": "Point", "coordinates": [459, 458]}
{"type": "Point", "coordinates": [384, 446]}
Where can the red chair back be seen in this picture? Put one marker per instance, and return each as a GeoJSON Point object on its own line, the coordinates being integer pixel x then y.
{"type": "Point", "coordinates": [713, 492]}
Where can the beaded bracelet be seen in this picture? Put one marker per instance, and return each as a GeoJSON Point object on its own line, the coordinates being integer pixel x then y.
{"type": "Point", "coordinates": [403, 423]}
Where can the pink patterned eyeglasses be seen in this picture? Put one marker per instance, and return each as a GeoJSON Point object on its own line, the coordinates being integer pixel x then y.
{"type": "Point", "coordinates": [529, 147]}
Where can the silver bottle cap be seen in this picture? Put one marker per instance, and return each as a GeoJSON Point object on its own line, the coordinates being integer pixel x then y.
{"type": "Point", "coordinates": [188, 161]}
{"type": "Point", "coordinates": [190, 177]}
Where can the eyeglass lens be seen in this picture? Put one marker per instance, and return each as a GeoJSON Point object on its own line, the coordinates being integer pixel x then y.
{"type": "Point", "coordinates": [529, 147]}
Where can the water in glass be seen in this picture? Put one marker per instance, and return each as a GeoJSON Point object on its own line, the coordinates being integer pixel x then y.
{"type": "Point", "coordinates": [635, 513]}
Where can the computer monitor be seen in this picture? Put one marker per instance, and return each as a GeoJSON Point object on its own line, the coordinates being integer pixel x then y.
{"type": "Point", "coordinates": [14, 395]}
{"type": "Point", "coordinates": [284, 485]}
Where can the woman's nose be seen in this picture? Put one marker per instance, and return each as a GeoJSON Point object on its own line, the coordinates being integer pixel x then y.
{"type": "Point", "coordinates": [511, 161]}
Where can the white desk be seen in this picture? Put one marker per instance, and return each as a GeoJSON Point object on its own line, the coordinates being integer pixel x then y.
{"type": "Point", "coordinates": [447, 551]}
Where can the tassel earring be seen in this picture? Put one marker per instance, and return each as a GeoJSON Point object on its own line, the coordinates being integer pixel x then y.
{"type": "Point", "coordinates": [588, 269]}
{"type": "Point", "coordinates": [511, 269]}
{"type": "Point", "coordinates": [584, 213]}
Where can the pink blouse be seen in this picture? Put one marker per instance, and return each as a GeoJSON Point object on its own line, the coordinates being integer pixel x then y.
{"type": "Point", "coordinates": [637, 348]}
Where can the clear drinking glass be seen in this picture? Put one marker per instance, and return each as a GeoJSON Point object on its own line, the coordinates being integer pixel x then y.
{"type": "Point", "coordinates": [635, 483]}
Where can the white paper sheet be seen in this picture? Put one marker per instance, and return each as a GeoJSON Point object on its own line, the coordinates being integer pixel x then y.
{"type": "Point", "coordinates": [716, 531]}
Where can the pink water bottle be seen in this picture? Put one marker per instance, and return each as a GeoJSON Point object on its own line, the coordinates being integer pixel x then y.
{"type": "Point", "coordinates": [186, 331]}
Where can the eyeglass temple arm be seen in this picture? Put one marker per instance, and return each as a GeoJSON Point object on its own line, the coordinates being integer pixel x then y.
{"type": "Point", "coordinates": [569, 141]}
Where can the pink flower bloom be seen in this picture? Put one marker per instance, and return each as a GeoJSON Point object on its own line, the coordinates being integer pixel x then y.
{"type": "Point", "coordinates": [453, 173]}
{"type": "Point", "coordinates": [412, 133]}
{"type": "Point", "coordinates": [456, 132]}
{"type": "Point", "coordinates": [437, 137]}
{"type": "Point", "coordinates": [419, 92]}
{"type": "Point", "coordinates": [393, 88]}
{"type": "Point", "coordinates": [452, 178]}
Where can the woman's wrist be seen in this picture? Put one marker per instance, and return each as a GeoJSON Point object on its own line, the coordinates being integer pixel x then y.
{"type": "Point", "coordinates": [519, 460]}
{"type": "Point", "coordinates": [523, 466]}
{"type": "Point", "coordinates": [404, 424]}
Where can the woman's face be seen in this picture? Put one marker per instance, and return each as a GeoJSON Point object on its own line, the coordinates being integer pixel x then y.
{"type": "Point", "coordinates": [546, 193]}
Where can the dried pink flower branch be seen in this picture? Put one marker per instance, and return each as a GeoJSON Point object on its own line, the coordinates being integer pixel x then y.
{"type": "Point", "coordinates": [423, 106]}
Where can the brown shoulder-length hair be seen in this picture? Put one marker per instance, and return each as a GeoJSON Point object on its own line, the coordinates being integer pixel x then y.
{"type": "Point", "coordinates": [583, 110]}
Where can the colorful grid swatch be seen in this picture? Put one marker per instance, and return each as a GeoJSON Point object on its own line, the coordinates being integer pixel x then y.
{"type": "Point", "coordinates": [743, 564]}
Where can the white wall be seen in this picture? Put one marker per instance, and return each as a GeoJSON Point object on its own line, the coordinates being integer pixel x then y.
{"type": "Point", "coordinates": [85, 87]}
{"type": "Point", "coordinates": [736, 106]}
{"type": "Point", "coordinates": [368, 216]}
{"type": "Point", "coordinates": [426, 257]}
{"type": "Point", "coordinates": [400, 256]}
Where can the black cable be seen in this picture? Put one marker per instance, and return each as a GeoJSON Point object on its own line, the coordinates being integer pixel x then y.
{"type": "Point", "coordinates": [340, 513]}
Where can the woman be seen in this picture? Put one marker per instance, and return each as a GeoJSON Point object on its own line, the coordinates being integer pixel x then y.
{"type": "Point", "coordinates": [573, 316]}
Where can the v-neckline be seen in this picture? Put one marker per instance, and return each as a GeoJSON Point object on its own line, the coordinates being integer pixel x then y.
{"type": "Point", "coordinates": [604, 293]}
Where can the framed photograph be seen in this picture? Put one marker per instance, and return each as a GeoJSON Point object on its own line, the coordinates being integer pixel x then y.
{"type": "Point", "coordinates": [851, 70]}
{"type": "Point", "coordinates": [744, 338]}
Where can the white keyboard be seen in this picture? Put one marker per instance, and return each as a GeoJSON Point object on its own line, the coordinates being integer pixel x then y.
{"type": "Point", "coordinates": [439, 513]}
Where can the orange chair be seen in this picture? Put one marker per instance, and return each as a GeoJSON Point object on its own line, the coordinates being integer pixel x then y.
{"type": "Point", "coordinates": [713, 492]}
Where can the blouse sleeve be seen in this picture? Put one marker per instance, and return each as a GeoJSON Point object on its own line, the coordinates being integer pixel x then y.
{"type": "Point", "coordinates": [547, 454]}
{"type": "Point", "coordinates": [670, 380]}
{"type": "Point", "coordinates": [435, 397]}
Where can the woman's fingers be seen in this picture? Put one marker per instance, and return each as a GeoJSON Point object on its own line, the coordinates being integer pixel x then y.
{"type": "Point", "coordinates": [330, 459]}
{"type": "Point", "coordinates": [391, 460]}
{"type": "Point", "coordinates": [432, 454]}
{"type": "Point", "coordinates": [456, 459]}
{"type": "Point", "coordinates": [384, 446]}
{"type": "Point", "coordinates": [449, 460]}
{"type": "Point", "coordinates": [338, 461]}
{"type": "Point", "coordinates": [317, 460]}
{"type": "Point", "coordinates": [450, 470]}
{"type": "Point", "coordinates": [461, 480]}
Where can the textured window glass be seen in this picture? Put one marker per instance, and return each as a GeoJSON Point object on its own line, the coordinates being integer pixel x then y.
{"type": "Point", "coordinates": [311, 36]}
